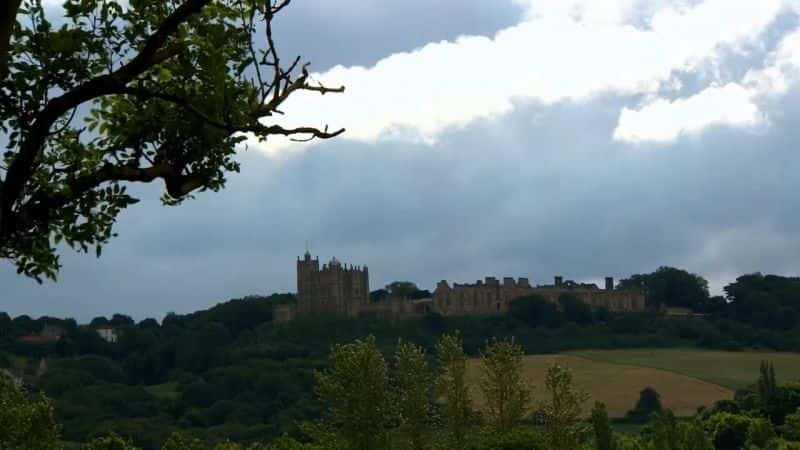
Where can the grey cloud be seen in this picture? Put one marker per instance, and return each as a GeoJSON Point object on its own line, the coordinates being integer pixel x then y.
{"type": "Point", "coordinates": [541, 191]}
{"type": "Point", "coordinates": [361, 32]}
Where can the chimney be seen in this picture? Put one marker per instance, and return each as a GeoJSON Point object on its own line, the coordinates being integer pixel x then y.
{"type": "Point", "coordinates": [609, 283]}
{"type": "Point", "coordinates": [559, 281]}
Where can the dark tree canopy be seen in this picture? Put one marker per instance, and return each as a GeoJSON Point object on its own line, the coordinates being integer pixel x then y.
{"type": "Point", "coordinates": [764, 300]}
{"type": "Point", "coordinates": [399, 289]}
{"type": "Point", "coordinates": [669, 286]}
{"type": "Point", "coordinates": [536, 310]}
{"type": "Point", "coordinates": [649, 402]}
{"type": "Point", "coordinates": [98, 322]}
{"type": "Point", "coordinates": [575, 309]}
{"type": "Point", "coordinates": [115, 94]}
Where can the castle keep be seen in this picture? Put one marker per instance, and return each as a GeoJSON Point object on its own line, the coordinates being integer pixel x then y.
{"type": "Point", "coordinates": [336, 289]}
{"type": "Point", "coordinates": [333, 289]}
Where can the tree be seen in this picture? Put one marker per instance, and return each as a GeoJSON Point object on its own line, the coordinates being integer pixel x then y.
{"type": "Point", "coordinates": [759, 433]}
{"type": "Point", "coordinates": [148, 324]}
{"type": "Point", "coordinates": [766, 385]}
{"type": "Point", "coordinates": [536, 311]}
{"type": "Point", "coordinates": [666, 435]}
{"type": "Point", "coordinates": [603, 434]}
{"type": "Point", "coordinates": [767, 301]}
{"type": "Point", "coordinates": [99, 321]}
{"type": "Point", "coordinates": [575, 309]}
{"type": "Point", "coordinates": [110, 442]}
{"type": "Point", "coordinates": [791, 426]}
{"type": "Point", "coordinates": [452, 386]}
{"type": "Point", "coordinates": [729, 431]}
{"type": "Point", "coordinates": [507, 394]}
{"type": "Point", "coordinates": [378, 295]}
{"type": "Point", "coordinates": [119, 320]}
{"type": "Point", "coordinates": [401, 289]}
{"type": "Point", "coordinates": [671, 434]}
{"type": "Point", "coordinates": [356, 390]}
{"type": "Point", "coordinates": [178, 441]}
{"type": "Point", "coordinates": [26, 421]}
{"type": "Point", "coordinates": [561, 413]}
{"type": "Point", "coordinates": [649, 402]}
{"type": "Point", "coordinates": [167, 90]}
{"type": "Point", "coordinates": [414, 394]}
{"type": "Point", "coordinates": [668, 286]}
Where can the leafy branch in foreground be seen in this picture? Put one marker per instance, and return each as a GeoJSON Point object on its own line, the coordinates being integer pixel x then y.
{"type": "Point", "coordinates": [165, 89]}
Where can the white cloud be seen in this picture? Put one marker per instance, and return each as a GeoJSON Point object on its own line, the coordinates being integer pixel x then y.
{"type": "Point", "coordinates": [664, 120]}
{"type": "Point", "coordinates": [735, 104]}
{"type": "Point", "coordinates": [781, 68]}
{"type": "Point", "coordinates": [563, 50]}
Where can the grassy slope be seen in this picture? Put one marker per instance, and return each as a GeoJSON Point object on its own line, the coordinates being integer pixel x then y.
{"type": "Point", "coordinates": [733, 370]}
{"type": "Point", "coordinates": [617, 385]}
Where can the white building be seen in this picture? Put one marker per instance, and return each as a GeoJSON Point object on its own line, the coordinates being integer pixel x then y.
{"type": "Point", "coordinates": [108, 333]}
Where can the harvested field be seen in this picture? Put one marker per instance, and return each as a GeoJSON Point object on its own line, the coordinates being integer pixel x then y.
{"type": "Point", "coordinates": [617, 385]}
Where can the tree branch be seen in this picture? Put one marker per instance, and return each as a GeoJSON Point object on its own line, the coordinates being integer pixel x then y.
{"type": "Point", "coordinates": [151, 53]}
{"type": "Point", "coordinates": [8, 19]}
{"type": "Point", "coordinates": [260, 129]}
{"type": "Point", "coordinates": [299, 84]}
{"type": "Point", "coordinates": [254, 127]}
{"type": "Point", "coordinates": [37, 210]}
{"type": "Point", "coordinates": [147, 94]}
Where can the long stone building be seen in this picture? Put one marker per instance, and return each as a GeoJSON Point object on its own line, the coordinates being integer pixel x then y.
{"type": "Point", "coordinates": [336, 289]}
{"type": "Point", "coordinates": [492, 296]}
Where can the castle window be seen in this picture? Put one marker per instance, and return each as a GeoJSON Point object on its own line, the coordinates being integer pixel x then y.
{"type": "Point", "coordinates": [498, 306]}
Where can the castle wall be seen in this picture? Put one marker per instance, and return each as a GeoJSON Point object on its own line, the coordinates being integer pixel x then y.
{"type": "Point", "coordinates": [491, 297]}
{"type": "Point", "coordinates": [396, 309]}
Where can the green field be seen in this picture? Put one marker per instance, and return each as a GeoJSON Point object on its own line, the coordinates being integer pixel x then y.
{"type": "Point", "coordinates": [685, 378]}
{"type": "Point", "coordinates": [733, 370]}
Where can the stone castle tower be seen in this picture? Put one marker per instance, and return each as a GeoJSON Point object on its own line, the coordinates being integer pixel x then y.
{"type": "Point", "coordinates": [332, 289]}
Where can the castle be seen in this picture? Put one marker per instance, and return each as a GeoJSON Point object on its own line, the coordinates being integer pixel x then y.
{"type": "Point", "coordinates": [336, 289]}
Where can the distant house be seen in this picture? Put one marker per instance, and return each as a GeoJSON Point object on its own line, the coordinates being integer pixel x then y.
{"type": "Point", "coordinates": [34, 339]}
{"type": "Point", "coordinates": [53, 332]}
{"type": "Point", "coordinates": [50, 333]}
{"type": "Point", "coordinates": [109, 334]}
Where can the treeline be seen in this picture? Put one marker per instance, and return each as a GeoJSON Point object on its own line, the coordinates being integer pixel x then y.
{"type": "Point", "coordinates": [761, 301]}
{"type": "Point", "coordinates": [416, 400]}
{"type": "Point", "coordinates": [230, 373]}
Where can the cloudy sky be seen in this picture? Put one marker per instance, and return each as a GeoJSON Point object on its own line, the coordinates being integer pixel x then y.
{"type": "Point", "coordinates": [530, 138]}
